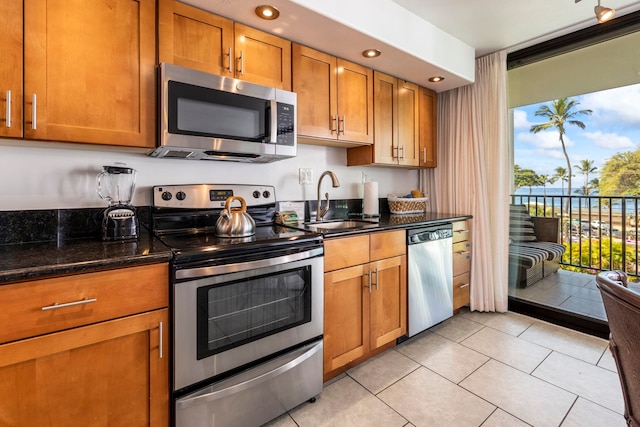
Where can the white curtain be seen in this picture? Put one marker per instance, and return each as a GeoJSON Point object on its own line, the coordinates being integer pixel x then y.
{"type": "Point", "coordinates": [472, 176]}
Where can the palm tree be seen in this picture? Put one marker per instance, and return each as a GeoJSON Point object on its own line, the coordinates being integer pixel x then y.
{"type": "Point", "coordinates": [586, 167]}
{"type": "Point", "coordinates": [562, 175]}
{"type": "Point", "coordinates": [561, 112]}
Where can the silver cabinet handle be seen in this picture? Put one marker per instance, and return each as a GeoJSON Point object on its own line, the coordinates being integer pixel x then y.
{"type": "Point", "coordinates": [8, 121]}
{"type": "Point", "coordinates": [424, 155]}
{"type": "Point", "coordinates": [369, 276]}
{"type": "Point", "coordinates": [56, 306]}
{"type": "Point", "coordinates": [462, 231]}
{"type": "Point", "coordinates": [34, 100]}
{"type": "Point", "coordinates": [376, 273]}
{"type": "Point", "coordinates": [160, 340]}
{"type": "Point", "coordinates": [241, 70]}
{"type": "Point", "coordinates": [344, 125]}
{"type": "Point", "coordinates": [464, 253]}
{"type": "Point", "coordinates": [211, 394]}
{"type": "Point", "coordinates": [333, 123]}
{"type": "Point", "coordinates": [401, 148]}
{"type": "Point", "coordinates": [228, 55]}
{"type": "Point", "coordinates": [463, 286]}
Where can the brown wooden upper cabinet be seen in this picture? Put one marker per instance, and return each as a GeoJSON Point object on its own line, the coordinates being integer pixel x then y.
{"type": "Point", "coordinates": [335, 98]}
{"type": "Point", "coordinates": [11, 69]}
{"type": "Point", "coordinates": [193, 38]}
{"type": "Point", "coordinates": [88, 71]}
{"type": "Point", "coordinates": [428, 129]}
{"type": "Point", "coordinates": [396, 124]}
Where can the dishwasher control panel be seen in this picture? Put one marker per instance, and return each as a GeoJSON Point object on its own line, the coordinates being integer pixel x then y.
{"type": "Point", "coordinates": [429, 234]}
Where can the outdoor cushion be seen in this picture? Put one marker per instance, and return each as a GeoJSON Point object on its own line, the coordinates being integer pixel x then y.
{"type": "Point", "coordinates": [520, 224]}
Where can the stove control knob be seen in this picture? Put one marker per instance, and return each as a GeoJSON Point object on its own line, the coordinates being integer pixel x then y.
{"type": "Point", "coordinates": [181, 195]}
{"type": "Point", "coordinates": [256, 194]}
{"type": "Point", "coordinates": [266, 194]}
{"type": "Point", "coordinates": [166, 196]}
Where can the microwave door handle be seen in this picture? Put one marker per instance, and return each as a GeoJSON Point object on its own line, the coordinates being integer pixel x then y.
{"type": "Point", "coordinates": [274, 122]}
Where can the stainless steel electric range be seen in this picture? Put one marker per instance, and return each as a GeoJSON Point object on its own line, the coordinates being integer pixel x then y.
{"type": "Point", "coordinates": [247, 312]}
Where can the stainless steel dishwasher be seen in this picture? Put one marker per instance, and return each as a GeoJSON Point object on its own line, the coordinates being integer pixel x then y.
{"type": "Point", "coordinates": [430, 291]}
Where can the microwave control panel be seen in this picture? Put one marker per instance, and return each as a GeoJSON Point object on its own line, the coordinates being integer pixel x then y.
{"type": "Point", "coordinates": [286, 121]}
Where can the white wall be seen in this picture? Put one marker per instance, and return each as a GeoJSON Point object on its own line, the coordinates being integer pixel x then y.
{"type": "Point", "coordinates": [43, 175]}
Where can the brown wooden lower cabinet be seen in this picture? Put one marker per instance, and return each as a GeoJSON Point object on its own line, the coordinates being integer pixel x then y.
{"type": "Point", "coordinates": [110, 373]}
{"type": "Point", "coordinates": [462, 252]}
{"type": "Point", "coordinates": [365, 304]}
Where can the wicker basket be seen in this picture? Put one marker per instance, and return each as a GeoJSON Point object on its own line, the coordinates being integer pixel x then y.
{"type": "Point", "coordinates": [399, 205]}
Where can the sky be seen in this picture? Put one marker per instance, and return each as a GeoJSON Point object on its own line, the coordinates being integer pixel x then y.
{"type": "Point", "coordinates": [613, 127]}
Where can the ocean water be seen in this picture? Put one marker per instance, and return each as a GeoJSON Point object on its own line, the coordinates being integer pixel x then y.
{"type": "Point", "coordinates": [632, 204]}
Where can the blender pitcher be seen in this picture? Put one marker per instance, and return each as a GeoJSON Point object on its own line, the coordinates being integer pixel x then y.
{"type": "Point", "coordinates": [116, 185]}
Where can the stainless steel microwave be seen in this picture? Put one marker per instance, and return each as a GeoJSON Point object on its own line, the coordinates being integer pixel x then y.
{"type": "Point", "coordinates": [209, 117]}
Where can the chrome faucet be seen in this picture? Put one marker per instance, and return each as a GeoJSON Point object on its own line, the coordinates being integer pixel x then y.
{"type": "Point", "coordinates": [322, 211]}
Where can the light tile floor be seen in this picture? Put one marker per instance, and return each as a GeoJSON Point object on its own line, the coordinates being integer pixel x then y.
{"type": "Point", "coordinates": [476, 369]}
{"type": "Point", "coordinates": [569, 291]}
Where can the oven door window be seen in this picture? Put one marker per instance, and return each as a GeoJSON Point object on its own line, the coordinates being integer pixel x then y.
{"type": "Point", "coordinates": [199, 111]}
{"type": "Point", "coordinates": [234, 313]}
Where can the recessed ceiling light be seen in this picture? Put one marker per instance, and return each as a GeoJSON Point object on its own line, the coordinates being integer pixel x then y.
{"type": "Point", "coordinates": [436, 79]}
{"type": "Point", "coordinates": [371, 53]}
{"type": "Point", "coordinates": [267, 12]}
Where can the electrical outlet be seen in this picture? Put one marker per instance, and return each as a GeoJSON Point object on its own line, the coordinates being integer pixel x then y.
{"type": "Point", "coordinates": [305, 176]}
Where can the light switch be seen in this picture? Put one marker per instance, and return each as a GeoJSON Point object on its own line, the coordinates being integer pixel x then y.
{"type": "Point", "coordinates": [305, 176]}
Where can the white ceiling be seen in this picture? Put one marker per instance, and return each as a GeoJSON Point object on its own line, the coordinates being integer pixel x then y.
{"type": "Point", "coordinates": [445, 28]}
{"type": "Point", "coordinates": [492, 25]}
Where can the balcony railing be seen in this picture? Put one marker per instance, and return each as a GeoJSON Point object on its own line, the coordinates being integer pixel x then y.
{"type": "Point", "coordinates": [600, 233]}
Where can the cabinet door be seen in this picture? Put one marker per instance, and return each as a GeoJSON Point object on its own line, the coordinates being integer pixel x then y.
{"type": "Point", "coordinates": [314, 80]}
{"type": "Point", "coordinates": [112, 373]}
{"type": "Point", "coordinates": [11, 68]}
{"type": "Point", "coordinates": [408, 124]}
{"type": "Point", "coordinates": [262, 58]}
{"type": "Point", "coordinates": [346, 316]}
{"type": "Point", "coordinates": [193, 38]}
{"type": "Point", "coordinates": [355, 102]}
{"type": "Point", "coordinates": [461, 291]}
{"type": "Point", "coordinates": [388, 300]}
{"type": "Point", "coordinates": [428, 129]}
{"type": "Point", "coordinates": [385, 101]}
{"type": "Point", "coordinates": [90, 67]}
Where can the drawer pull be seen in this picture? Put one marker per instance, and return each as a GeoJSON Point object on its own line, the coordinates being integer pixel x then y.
{"type": "Point", "coordinates": [464, 253]}
{"type": "Point", "coordinates": [462, 231]}
{"type": "Point", "coordinates": [463, 286]}
{"type": "Point", "coordinates": [56, 306]}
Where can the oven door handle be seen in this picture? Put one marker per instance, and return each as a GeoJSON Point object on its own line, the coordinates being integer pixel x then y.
{"type": "Point", "coordinates": [198, 272]}
{"type": "Point", "coordinates": [210, 394]}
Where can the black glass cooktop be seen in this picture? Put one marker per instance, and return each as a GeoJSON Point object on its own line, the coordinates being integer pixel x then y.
{"type": "Point", "coordinates": [205, 245]}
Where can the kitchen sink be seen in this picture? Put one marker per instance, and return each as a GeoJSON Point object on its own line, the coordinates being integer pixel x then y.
{"type": "Point", "coordinates": [338, 225]}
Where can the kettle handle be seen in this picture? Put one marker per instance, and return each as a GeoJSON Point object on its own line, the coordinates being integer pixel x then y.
{"type": "Point", "coordinates": [242, 208]}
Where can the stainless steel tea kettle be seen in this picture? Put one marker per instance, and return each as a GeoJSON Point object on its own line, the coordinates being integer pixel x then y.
{"type": "Point", "coordinates": [235, 222]}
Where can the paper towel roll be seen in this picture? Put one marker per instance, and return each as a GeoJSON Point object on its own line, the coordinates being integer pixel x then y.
{"type": "Point", "coordinates": [370, 198]}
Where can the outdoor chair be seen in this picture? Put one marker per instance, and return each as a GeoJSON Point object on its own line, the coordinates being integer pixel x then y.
{"type": "Point", "coordinates": [534, 251]}
{"type": "Point", "coordinates": [622, 306]}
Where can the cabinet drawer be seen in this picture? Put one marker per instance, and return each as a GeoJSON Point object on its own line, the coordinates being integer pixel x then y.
{"type": "Point", "coordinates": [461, 258]}
{"type": "Point", "coordinates": [388, 244]}
{"type": "Point", "coordinates": [461, 290]}
{"type": "Point", "coordinates": [461, 231]}
{"type": "Point", "coordinates": [42, 306]}
{"type": "Point", "coordinates": [346, 252]}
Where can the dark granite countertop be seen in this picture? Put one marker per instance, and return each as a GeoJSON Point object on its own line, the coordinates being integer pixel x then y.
{"type": "Point", "coordinates": [389, 222]}
{"type": "Point", "coordinates": [30, 261]}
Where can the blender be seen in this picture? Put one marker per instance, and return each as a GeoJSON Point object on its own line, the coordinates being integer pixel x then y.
{"type": "Point", "coordinates": [119, 221]}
